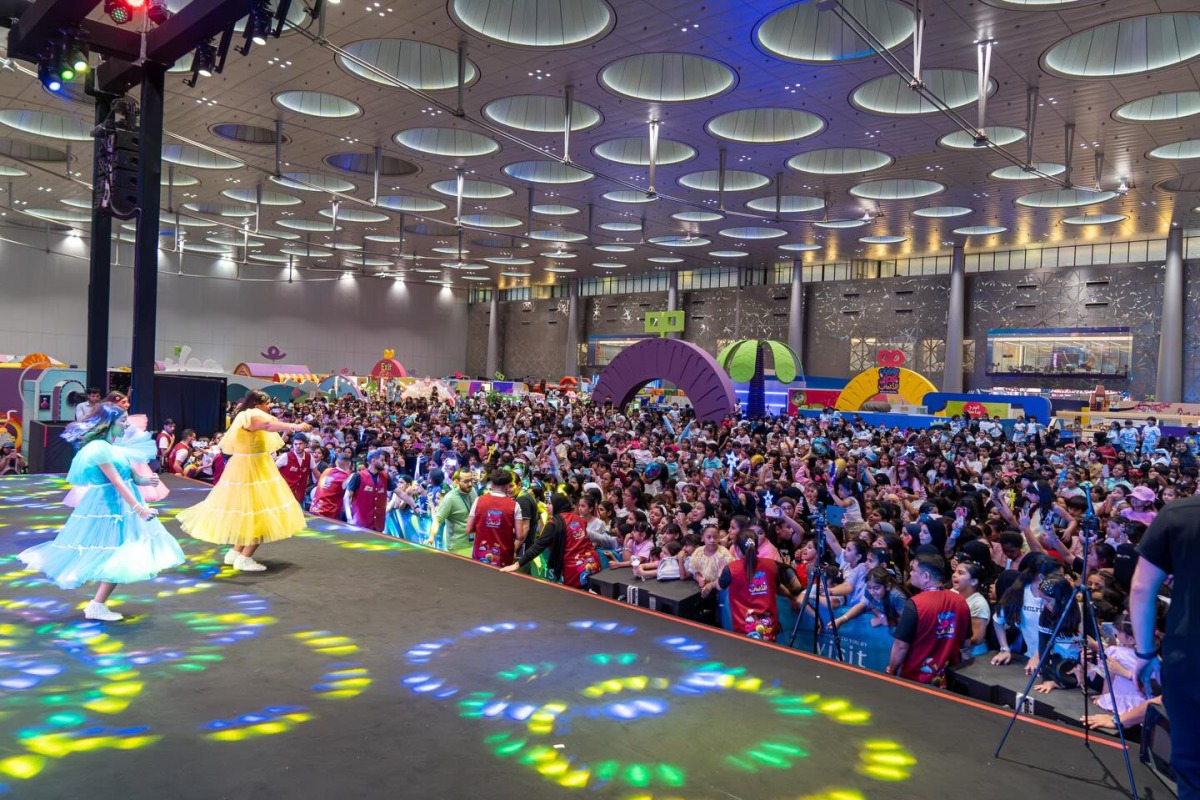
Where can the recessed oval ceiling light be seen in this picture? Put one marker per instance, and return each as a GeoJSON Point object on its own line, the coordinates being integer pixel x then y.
{"type": "Point", "coordinates": [1037, 5]}
{"type": "Point", "coordinates": [66, 216]}
{"type": "Point", "coordinates": [788, 204]}
{"type": "Point", "coordinates": [736, 180]}
{"type": "Point", "coordinates": [52, 126]}
{"type": "Point", "coordinates": [553, 172]}
{"type": "Point", "coordinates": [812, 33]}
{"type": "Point", "coordinates": [609, 265]}
{"type": "Point", "coordinates": [472, 267]}
{"type": "Point", "coordinates": [620, 227]}
{"type": "Point", "coordinates": [1095, 219]}
{"type": "Point", "coordinates": [614, 248]}
{"type": "Point", "coordinates": [270, 258]}
{"type": "Point", "coordinates": [490, 221]}
{"type": "Point", "coordinates": [234, 240]}
{"type": "Point", "coordinates": [364, 164]}
{"type": "Point", "coordinates": [1160, 107]}
{"type": "Point", "coordinates": [541, 113]}
{"type": "Point", "coordinates": [555, 210]}
{"type": "Point", "coordinates": [305, 251]}
{"type": "Point", "coordinates": [432, 229]}
{"type": "Point", "coordinates": [344, 246]}
{"type": "Point", "coordinates": [515, 274]}
{"type": "Point", "coordinates": [891, 96]}
{"type": "Point", "coordinates": [557, 235]}
{"type": "Point", "coordinates": [313, 182]}
{"type": "Point", "coordinates": [384, 238]}
{"type": "Point", "coordinates": [411, 203]}
{"type": "Point", "coordinates": [267, 198]}
{"type": "Point", "coordinates": [209, 249]}
{"type": "Point", "coordinates": [75, 202]}
{"type": "Point", "coordinates": [451, 142]}
{"type": "Point", "coordinates": [359, 261]}
{"type": "Point", "coordinates": [666, 260]}
{"type": "Point", "coordinates": [178, 179]}
{"type": "Point", "coordinates": [220, 209]}
{"type": "Point", "coordinates": [896, 189]}
{"type": "Point", "coordinates": [189, 155]}
{"type": "Point", "coordinates": [506, 261]}
{"type": "Point", "coordinates": [753, 232]}
{"type": "Point", "coordinates": [697, 216]}
{"type": "Point", "coordinates": [1130, 46]}
{"type": "Point", "coordinates": [499, 242]}
{"type": "Point", "coordinates": [980, 230]}
{"type": "Point", "coordinates": [799, 247]}
{"type": "Point", "coordinates": [354, 215]}
{"type": "Point", "coordinates": [540, 24]}
{"type": "Point", "coordinates": [667, 77]}
{"type": "Point", "coordinates": [311, 225]}
{"type": "Point", "coordinates": [1063, 198]}
{"type": "Point", "coordinates": [246, 134]}
{"type": "Point", "coordinates": [1176, 151]}
{"type": "Point", "coordinates": [1017, 172]}
{"type": "Point", "coordinates": [450, 251]}
{"type": "Point", "coordinates": [840, 161]}
{"type": "Point", "coordinates": [883, 239]}
{"type": "Point", "coordinates": [942, 212]}
{"type": "Point", "coordinates": [560, 270]}
{"type": "Point", "coordinates": [475, 190]}
{"type": "Point", "coordinates": [728, 253]}
{"type": "Point", "coordinates": [628, 196]}
{"type": "Point", "coordinates": [475, 278]}
{"type": "Point", "coordinates": [999, 135]}
{"type": "Point", "coordinates": [13, 172]}
{"type": "Point", "coordinates": [418, 65]}
{"type": "Point", "coordinates": [188, 222]}
{"type": "Point", "coordinates": [635, 151]}
{"type": "Point", "coordinates": [840, 224]}
{"type": "Point", "coordinates": [680, 241]}
{"type": "Point", "coordinates": [29, 151]}
{"type": "Point", "coordinates": [317, 104]}
{"type": "Point", "coordinates": [765, 125]}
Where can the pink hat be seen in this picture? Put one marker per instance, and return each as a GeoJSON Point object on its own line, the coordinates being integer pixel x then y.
{"type": "Point", "coordinates": [1143, 493]}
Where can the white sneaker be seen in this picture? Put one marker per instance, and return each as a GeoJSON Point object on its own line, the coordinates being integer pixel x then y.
{"type": "Point", "coordinates": [231, 557]}
{"type": "Point", "coordinates": [246, 564]}
{"type": "Point", "coordinates": [101, 612]}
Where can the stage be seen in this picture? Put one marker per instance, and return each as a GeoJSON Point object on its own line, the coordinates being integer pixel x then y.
{"type": "Point", "coordinates": [360, 667]}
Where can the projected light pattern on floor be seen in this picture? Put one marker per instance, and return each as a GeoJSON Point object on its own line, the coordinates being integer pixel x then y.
{"type": "Point", "coordinates": [539, 714]}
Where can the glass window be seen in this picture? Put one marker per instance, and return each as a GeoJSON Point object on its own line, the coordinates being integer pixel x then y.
{"type": "Point", "coordinates": [1075, 352]}
{"type": "Point", "coordinates": [1156, 250]}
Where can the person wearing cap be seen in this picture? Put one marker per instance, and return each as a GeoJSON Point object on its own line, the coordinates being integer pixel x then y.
{"type": "Point", "coordinates": [1142, 509]}
{"type": "Point", "coordinates": [331, 486]}
{"type": "Point", "coordinates": [366, 492]}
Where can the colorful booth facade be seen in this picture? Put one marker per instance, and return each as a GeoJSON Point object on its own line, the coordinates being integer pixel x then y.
{"type": "Point", "coordinates": [890, 378]}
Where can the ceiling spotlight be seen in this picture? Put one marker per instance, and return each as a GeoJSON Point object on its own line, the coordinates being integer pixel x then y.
{"type": "Point", "coordinates": [76, 59]}
{"type": "Point", "coordinates": [1123, 187]}
{"type": "Point", "coordinates": [49, 77]}
{"type": "Point", "coordinates": [158, 12]}
{"type": "Point", "coordinates": [259, 24]}
{"type": "Point", "coordinates": [121, 11]}
{"type": "Point", "coordinates": [205, 59]}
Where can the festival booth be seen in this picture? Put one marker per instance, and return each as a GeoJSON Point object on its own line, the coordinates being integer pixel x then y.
{"type": "Point", "coordinates": [889, 384]}
{"type": "Point", "coordinates": [387, 376]}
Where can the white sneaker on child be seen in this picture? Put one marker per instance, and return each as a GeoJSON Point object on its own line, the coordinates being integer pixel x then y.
{"type": "Point", "coordinates": [247, 564]}
{"type": "Point", "coordinates": [231, 557]}
{"type": "Point", "coordinates": [101, 612]}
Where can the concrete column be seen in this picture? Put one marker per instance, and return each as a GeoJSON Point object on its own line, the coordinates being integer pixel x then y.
{"type": "Point", "coordinates": [493, 350]}
{"type": "Point", "coordinates": [673, 297]}
{"type": "Point", "coordinates": [571, 360]}
{"type": "Point", "coordinates": [795, 338]}
{"type": "Point", "coordinates": [1170, 338]}
{"type": "Point", "coordinates": [952, 379]}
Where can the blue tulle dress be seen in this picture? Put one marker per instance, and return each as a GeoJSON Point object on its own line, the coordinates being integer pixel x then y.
{"type": "Point", "coordinates": [104, 540]}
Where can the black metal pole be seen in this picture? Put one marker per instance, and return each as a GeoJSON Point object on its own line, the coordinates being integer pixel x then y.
{"type": "Point", "coordinates": [145, 265]}
{"type": "Point", "coordinates": [99, 272]}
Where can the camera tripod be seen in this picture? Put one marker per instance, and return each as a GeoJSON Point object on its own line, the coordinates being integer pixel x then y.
{"type": "Point", "coordinates": [1090, 529]}
{"type": "Point", "coordinates": [819, 585]}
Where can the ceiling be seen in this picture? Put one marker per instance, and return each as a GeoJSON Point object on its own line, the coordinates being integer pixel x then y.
{"type": "Point", "coordinates": [800, 105]}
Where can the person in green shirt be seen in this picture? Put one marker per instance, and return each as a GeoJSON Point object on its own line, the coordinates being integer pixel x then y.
{"type": "Point", "coordinates": [450, 518]}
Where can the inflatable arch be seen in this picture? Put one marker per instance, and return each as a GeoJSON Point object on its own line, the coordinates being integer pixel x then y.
{"type": "Point", "coordinates": [890, 377]}
{"type": "Point", "coordinates": [684, 364]}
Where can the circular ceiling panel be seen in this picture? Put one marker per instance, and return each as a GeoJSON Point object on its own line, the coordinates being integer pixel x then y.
{"type": "Point", "coordinates": [364, 164]}
{"type": "Point", "coordinates": [811, 33]}
{"type": "Point", "coordinates": [13, 172]}
{"type": "Point", "coordinates": [841, 224]}
{"type": "Point", "coordinates": [620, 227]}
{"type": "Point", "coordinates": [999, 135]}
{"type": "Point", "coordinates": [980, 230]}
{"type": "Point", "coordinates": [667, 77]}
{"type": "Point", "coordinates": [385, 238]}
{"type": "Point", "coordinates": [28, 151]}
{"type": "Point", "coordinates": [410, 203]}
{"type": "Point", "coordinates": [753, 232]}
{"type": "Point", "coordinates": [1130, 46]}
{"type": "Point", "coordinates": [635, 151]}
{"type": "Point", "coordinates": [313, 182]}
{"type": "Point", "coordinates": [788, 204]}
{"type": "Point", "coordinates": [942, 212]}
{"type": "Point", "coordinates": [799, 247]}
{"type": "Point", "coordinates": [554, 235]}
{"type": "Point", "coordinates": [736, 180]}
{"type": "Point", "coordinates": [561, 270]}
{"type": "Point", "coordinates": [305, 251]}
{"type": "Point", "coordinates": [514, 274]}
{"type": "Point", "coordinates": [220, 209]}
{"type": "Point", "coordinates": [541, 113]}
{"type": "Point", "coordinates": [666, 260]}
{"type": "Point", "coordinates": [65, 216]}
{"type": "Point", "coordinates": [75, 202]}
{"type": "Point", "coordinates": [447, 142]}
{"type": "Point", "coordinates": [472, 189]}
{"type": "Point", "coordinates": [555, 210]}
{"type": "Point", "coordinates": [1160, 107]}
{"type": "Point", "coordinates": [179, 178]}
{"type": "Point", "coordinates": [1095, 219]}
{"type": "Point", "coordinates": [613, 248]}
{"type": "Point", "coordinates": [1176, 151]}
{"type": "Point", "coordinates": [317, 104]}
{"type": "Point", "coordinates": [234, 240]}
{"type": "Point", "coordinates": [268, 198]}
{"type": "Point", "coordinates": [270, 258]}
{"type": "Point", "coordinates": [697, 216]}
{"type": "Point", "coordinates": [417, 65]}
{"type": "Point", "coordinates": [560, 255]}
{"type": "Point", "coordinates": [490, 221]}
{"type": "Point", "coordinates": [52, 126]}
{"type": "Point", "coordinates": [680, 241]}
{"type": "Point", "coordinates": [765, 125]}
{"type": "Point", "coordinates": [543, 24]}
{"type": "Point", "coordinates": [1063, 198]}
{"type": "Point", "coordinates": [840, 161]}
{"type": "Point", "coordinates": [552, 172]}
{"type": "Point", "coordinates": [1037, 5]}
{"type": "Point", "coordinates": [883, 239]}
{"type": "Point", "coordinates": [896, 189]}
{"type": "Point", "coordinates": [210, 249]}
{"type": "Point", "coordinates": [308, 225]}
{"type": "Point", "coordinates": [628, 196]}
{"type": "Point", "coordinates": [354, 215]}
{"type": "Point", "coordinates": [728, 253]}
{"type": "Point", "coordinates": [891, 96]}
{"type": "Point", "coordinates": [246, 134]}
{"type": "Point", "coordinates": [1017, 172]}
{"type": "Point", "coordinates": [507, 261]}
{"type": "Point", "coordinates": [432, 229]}
{"type": "Point", "coordinates": [609, 264]}
{"type": "Point", "coordinates": [189, 155]}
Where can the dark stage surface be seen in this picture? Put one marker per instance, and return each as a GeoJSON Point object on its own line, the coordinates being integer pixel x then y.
{"type": "Point", "coordinates": [363, 667]}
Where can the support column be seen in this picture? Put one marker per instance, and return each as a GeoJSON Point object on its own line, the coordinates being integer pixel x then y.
{"type": "Point", "coordinates": [1170, 338]}
{"type": "Point", "coordinates": [493, 350]}
{"type": "Point", "coordinates": [952, 379]}
{"type": "Point", "coordinates": [796, 311]}
{"type": "Point", "coordinates": [145, 265]}
{"type": "Point", "coordinates": [571, 360]}
{"type": "Point", "coordinates": [99, 272]}
{"type": "Point", "coordinates": [673, 296]}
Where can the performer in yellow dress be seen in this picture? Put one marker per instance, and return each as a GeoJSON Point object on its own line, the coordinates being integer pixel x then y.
{"type": "Point", "coordinates": [251, 504]}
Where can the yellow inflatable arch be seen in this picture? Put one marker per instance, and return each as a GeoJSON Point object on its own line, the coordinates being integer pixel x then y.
{"type": "Point", "coordinates": [913, 388]}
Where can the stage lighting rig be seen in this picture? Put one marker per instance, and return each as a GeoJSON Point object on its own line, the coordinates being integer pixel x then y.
{"type": "Point", "coordinates": [158, 12]}
{"type": "Point", "coordinates": [122, 11]}
{"type": "Point", "coordinates": [204, 62]}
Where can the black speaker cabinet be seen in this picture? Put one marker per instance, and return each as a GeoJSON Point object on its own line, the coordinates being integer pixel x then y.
{"type": "Point", "coordinates": [48, 452]}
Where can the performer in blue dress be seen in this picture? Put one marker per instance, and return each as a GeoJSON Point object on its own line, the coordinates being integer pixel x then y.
{"type": "Point", "coordinates": [112, 536]}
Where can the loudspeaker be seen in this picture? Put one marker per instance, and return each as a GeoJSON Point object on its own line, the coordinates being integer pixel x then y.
{"type": "Point", "coordinates": [48, 451]}
{"type": "Point", "coordinates": [1156, 746]}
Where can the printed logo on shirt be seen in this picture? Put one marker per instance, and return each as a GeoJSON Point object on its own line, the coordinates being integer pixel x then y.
{"type": "Point", "coordinates": [494, 518]}
{"type": "Point", "coordinates": [945, 625]}
{"type": "Point", "coordinates": [758, 584]}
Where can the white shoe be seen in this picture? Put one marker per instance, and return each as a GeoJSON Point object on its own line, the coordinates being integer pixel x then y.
{"type": "Point", "coordinates": [231, 557]}
{"type": "Point", "coordinates": [101, 612]}
{"type": "Point", "coordinates": [246, 564]}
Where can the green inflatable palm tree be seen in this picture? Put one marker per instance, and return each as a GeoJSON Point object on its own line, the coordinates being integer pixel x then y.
{"type": "Point", "coordinates": [745, 361]}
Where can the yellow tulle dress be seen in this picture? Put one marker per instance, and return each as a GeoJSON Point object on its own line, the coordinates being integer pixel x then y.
{"type": "Point", "coordinates": [251, 504]}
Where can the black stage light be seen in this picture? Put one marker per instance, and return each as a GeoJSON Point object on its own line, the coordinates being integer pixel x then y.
{"type": "Point", "coordinates": [122, 11]}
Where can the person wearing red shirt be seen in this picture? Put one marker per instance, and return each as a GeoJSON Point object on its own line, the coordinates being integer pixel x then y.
{"type": "Point", "coordinates": [327, 499]}
{"type": "Point", "coordinates": [753, 584]}
{"type": "Point", "coordinates": [180, 453]}
{"type": "Point", "coordinates": [933, 627]}
{"type": "Point", "coordinates": [366, 492]}
{"type": "Point", "coordinates": [492, 522]}
{"type": "Point", "coordinates": [297, 467]}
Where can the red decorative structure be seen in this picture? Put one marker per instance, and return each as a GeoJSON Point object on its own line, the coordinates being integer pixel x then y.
{"type": "Point", "coordinates": [388, 368]}
{"type": "Point", "coordinates": [694, 371]}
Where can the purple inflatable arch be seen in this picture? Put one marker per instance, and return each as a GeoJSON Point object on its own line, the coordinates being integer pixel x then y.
{"type": "Point", "coordinates": [694, 371]}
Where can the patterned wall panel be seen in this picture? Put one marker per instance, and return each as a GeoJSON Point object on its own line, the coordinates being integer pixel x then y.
{"type": "Point", "coordinates": [894, 313]}
{"type": "Point", "coordinates": [1191, 336]}
{"type": "Point", "coordinates": [477, 336]}
{"type": "Point", "coordinates": [535, 339]}
{"type": "Point", "coordinates": [1080, 297]}
{"type": "Point", "coordinates": [718, 316]}
{"type": "Point", "coordinates": [617, 315]}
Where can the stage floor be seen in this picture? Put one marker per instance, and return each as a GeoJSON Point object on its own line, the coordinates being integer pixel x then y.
{"type": "Point", "coordinates": [361, 667]}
